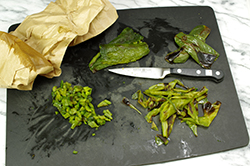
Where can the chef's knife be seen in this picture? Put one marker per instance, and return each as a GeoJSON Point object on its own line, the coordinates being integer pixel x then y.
{"type": "Point", "coordinates": [160, 73]}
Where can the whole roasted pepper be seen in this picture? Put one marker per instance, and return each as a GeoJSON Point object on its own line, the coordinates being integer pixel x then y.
{"type": "Point", "coordinates": [125, 48]}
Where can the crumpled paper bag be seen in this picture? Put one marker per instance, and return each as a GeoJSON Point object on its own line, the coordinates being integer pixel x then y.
{"type": "Point", "coordinates": [19, 63]}
{"type": "Point", "coordinates": [51, 31]}
{"type": "Point", "coordinates": [61, 24]}
{"type": "Point", "coordinates": [102, 21]}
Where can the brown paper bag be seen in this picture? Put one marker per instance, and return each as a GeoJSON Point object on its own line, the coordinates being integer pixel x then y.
{"type": "Point", "coordinates": [101, 22]}
{"type": "Point", "coordinates": [65, 23]}
{"type": "Point", "coordinates": [19, 63]}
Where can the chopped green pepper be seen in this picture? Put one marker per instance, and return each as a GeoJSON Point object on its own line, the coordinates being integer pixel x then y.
{"type": "Point", "coordinates": [108, 114]}
{"type": "Point", "coordinates": [75, 152]}
{"type": "Point", "coordinates": [74, 104]}
{"type": "Point", "coordinates": [104, 103]}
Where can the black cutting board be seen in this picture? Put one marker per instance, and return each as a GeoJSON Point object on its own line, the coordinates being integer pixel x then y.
{"type": "Point", "coordinates": [37, 136]}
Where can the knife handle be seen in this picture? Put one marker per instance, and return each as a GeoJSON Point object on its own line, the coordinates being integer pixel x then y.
{"type": "Point", "coordinates": [216, 75]}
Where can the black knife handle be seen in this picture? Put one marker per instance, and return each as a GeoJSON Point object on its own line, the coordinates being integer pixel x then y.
{"type": "Point", "coordinates": [216, 75]}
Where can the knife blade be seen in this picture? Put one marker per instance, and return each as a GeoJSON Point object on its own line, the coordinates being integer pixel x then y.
{"type": "Point", "coordinates": [160, 73]}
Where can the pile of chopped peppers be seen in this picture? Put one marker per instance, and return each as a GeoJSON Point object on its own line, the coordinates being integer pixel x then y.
{"type": "Point", "coordinates": [172, 100]}
{"type": "Point", "coordinates": [193, 44]}
{"type": "Point", "coordinates": [74, 103]}
{"type": "Point", "coordinates": [125, 48]}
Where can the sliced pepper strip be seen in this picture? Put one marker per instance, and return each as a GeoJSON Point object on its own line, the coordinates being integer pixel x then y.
{"type": "Point", "coordinates": [210, 112]}
{"type": "Point", "coordinates": [173, 101]}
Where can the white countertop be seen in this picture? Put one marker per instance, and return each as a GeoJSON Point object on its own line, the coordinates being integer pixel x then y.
{"type": "Point", "coordinates": [233, 18]}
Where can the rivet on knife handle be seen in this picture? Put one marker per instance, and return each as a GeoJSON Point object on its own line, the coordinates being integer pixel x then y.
{"type": "Point", "coordinates": [216, 75]}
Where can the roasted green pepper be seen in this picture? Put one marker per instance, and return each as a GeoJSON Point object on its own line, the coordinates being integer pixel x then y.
{"type": "Point", "coordinates": [154, 127]}
{"type": "Point", "coordinates": [125, 48]}
{"type": "Point", "coordinates": [104, 103]}
{"type": "Point", "coordinates": [74, 104]}
{"type": "Point", "coordinates": [127, 102]}
{"type": "Point", "coordinates": [171, 101]}
{"type": "Point", "coordinates": [193, 45]}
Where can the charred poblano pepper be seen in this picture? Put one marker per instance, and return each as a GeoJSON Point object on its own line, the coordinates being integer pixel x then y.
{"type": "Point", "coordinates": [125, 48]}
{"type": "Point", "coordinates": [74, 104]}
{"type": "Point", "coordinates": [193, 44]}
{"type": "Point", "coordinates": [172, 100]}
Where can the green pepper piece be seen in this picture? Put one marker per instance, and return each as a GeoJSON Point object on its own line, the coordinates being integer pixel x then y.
{"type": "Point", "coordinates": [139, 96]}
{"type": "Point", "coordinates": [161, 93]}
{"type": "Point", "coordinates": [87, 114]}
{"type": "Point", "coordinates": [102, 117]}
{"type": "Point", "coordinates": [160, 86]}
{"type": "Point", "coordinates": [183, 91]}
{"type": "Point", "coordinates": [151, 114]}
{"type": "Point", "coordinates": [72, 111]}
{"type": "Point", "coordinates": [92, 124]}
{"type": "Point", "coordinates": [127, 102]}
{"type": "Point", "coordinates": [54, 88]}
{"type": "Point", "coordinates": [193, 127]}
{"type": "Point", "coordinates": [127, 36]}
{"type": "Point", "coordinates": [108, 114]}
{"type": "Point", "coordinates": [57, 96]}
{"type": "Point", "coordinates": [195, 46]}
{"type": "Point", "coordinates": [192, 110]}
{"type": "Point", "coordinates": [57, 104]}
{"type": "Point", "coordinates": [87, 90]}
{"type": "Point", "coordinates": [179, 104]}
{"type": "Point", "coordinates": [201, 32]}
{"type": "Point", "coordinates": [66, 115]}
{"type": "Point", "coordinates": [113, 54]}
{"type": "Point", "coordinates": [163, 139]}
{"type": "Point", "coordinates": [210, 112]}
{"type": "Point", "coordinates": [93, 60]}
{"type": "Point", "coordinates": [74, 124]}
{"type": "Point", "coordinates": [100, 122]}
{"type": "Point", "coordinates": [154, 127]}
{"type": "Point", "coordinates": [104, 103]}
{"type": "Point", "coordinates": [180, 55]}
{"type": "Point", "coordinates": [82, 101]}
{"type": "Point", "coordinates": [202, 53]}
{"type": "Point", "coordinates": [171, 85]}
{"type": "Point", "coordinates": [166, 111]}
{"type": "Point", "coordinates": [66, 102]}
{"type": "Point", "coordinates": [125, 48]}
{"type": "Point", "coordinates": [158, 141]}
{"type": "Point", "coordinates": [151, 102]}
{"type": "Point", "coordinates": [167, 126]}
